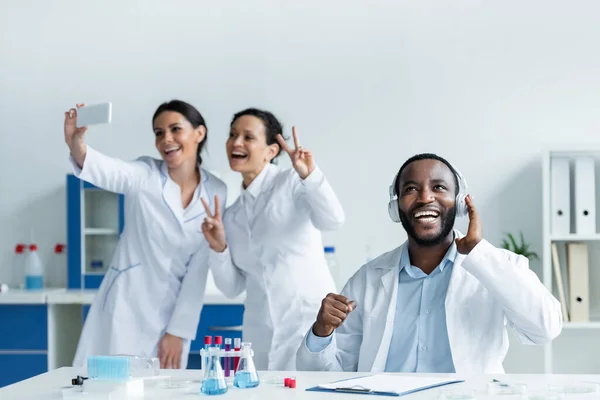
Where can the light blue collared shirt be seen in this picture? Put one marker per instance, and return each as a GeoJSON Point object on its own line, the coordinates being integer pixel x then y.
{"type": "Point", "coordinates": [420, 337]}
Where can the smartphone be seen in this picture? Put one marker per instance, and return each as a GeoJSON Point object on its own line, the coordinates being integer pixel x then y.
{"type": "Point", "coordinates": [94, 114]}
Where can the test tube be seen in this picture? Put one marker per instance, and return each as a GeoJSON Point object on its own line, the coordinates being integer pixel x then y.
{"type": "Point", "coordinates": [237, 345]}
{"type": "Point", "coordinates": [218, 344]}
{"type": "Point", "coordinates": [207, 343]}
{"type": "Point", "coordinates": [227, 358]}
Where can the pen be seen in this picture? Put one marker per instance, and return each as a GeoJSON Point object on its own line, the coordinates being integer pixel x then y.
{"type": "Point", "coordinates": [500, 382]}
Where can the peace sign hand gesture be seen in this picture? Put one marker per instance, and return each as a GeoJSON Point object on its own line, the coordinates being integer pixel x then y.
{"type": "Point", "coordinates": [302, 159]}
{"type": "Point", "coordinates": [213, 228]}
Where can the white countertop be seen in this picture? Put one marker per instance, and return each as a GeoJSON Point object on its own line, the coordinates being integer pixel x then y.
{"type": "Point", "coordinates": [50, 384]}
{"type": "Point", "coordinates": [20, 296]}
{"type": "Point", "coordinates": [86, 296]}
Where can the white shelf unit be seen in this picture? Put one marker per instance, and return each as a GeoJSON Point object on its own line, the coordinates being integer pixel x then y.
{"type": "Point", "coordinates": [593, 240]}
{"type": "Point", "coordinates": [100, 231]}
{"type": "Point", "coordinates": [100, 226]}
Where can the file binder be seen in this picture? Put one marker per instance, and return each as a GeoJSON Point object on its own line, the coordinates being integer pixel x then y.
{"type": "Point", "coordinates": [560, 196]}
{"type": "Point", "coordinates": [585, 196]}
{"type": "Point", "coordinates": [578, 267]}
{"type": "Point", "coordinates": [384, 385]}
{"type": "Point", "coordinates": [559, 282]}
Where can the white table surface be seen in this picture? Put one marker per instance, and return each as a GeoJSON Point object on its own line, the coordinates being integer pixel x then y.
{"type": "Point", "coordinates": [48, 386]}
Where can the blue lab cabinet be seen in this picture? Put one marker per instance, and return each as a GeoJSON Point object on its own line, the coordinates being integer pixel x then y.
{"type": "Point", "coordinates": [23, 341]}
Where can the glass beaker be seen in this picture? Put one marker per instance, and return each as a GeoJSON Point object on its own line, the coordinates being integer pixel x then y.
{"type": "Point", "coordinates": [245, 375]}
{"type": "Point", "coordinates": [214, 379]}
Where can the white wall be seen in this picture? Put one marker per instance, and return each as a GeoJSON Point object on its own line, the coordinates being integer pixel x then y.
{"type": "Point", "coordinates": [367, 83]}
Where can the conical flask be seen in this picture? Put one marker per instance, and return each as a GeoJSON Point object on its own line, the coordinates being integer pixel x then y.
{"type": "Point", "coordinates": [214, 379]}
{"type": "Point", "coordinates": [245, 375]}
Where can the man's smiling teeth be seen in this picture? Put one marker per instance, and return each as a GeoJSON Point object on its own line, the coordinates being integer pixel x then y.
{"type": "Point", "coordinates": [427, 215]}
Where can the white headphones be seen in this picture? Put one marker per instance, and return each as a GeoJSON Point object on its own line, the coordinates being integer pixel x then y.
{"type": "Point", "coordinates": [461, 205]}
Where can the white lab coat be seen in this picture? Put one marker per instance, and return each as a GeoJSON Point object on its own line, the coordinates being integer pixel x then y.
{"type": "Point", "coordinates": [277, 257]}
{"type": "Point", "coordinates": [156, 281]}
{"type": "Point", "coordinates": [488, 289]}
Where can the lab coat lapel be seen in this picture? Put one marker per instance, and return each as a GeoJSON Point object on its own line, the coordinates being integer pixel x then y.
{"type": "Point", "coordinates": [263, 197]}
{"type": "Point", "coordinates": [238, 216]}
{"type": "Point", "coordinates": [386, 300]}
{"type": "Point", "coordinates": [457, 288]}
{"type": "Point", "coordinates": [171, 194]}
{"type": "Point", "coordinates": [196, 209]}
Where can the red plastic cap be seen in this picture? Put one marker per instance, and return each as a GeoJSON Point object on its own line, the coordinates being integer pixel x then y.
{"type": "Point", "coordinates": [207, 339]}
{"type": "Point", "coordinates": [286, 382]}
{"type": "Point", "coordinates": [33, 247]}
{"type": "Point", "coordinates": [218, 340]}
{"type": "Point", "coordinates": [292, 384]}
{"type": "Point", "coordinates": [20, 248]}
{"type": "Point", "coordinates": [59, 248]}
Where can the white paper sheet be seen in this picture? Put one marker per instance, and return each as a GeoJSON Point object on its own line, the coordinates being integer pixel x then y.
{"type": "Point", "coordinates": [390, 383]}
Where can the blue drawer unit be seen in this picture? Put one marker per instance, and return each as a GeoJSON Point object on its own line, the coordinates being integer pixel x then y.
{"type": "Point", "coordinates": [23, 342]}
{"type": "Point", "coordinates": [219, 320]}
{"type": "Point", "coordinates": [17, 367]}
{"type": "Point", "coordinates": [84, 311]}
{"type": "Point", "coordinates": [23, 327]}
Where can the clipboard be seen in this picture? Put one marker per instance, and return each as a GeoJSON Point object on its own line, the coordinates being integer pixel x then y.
{"type": "Point", "coordinates": [354, 386]}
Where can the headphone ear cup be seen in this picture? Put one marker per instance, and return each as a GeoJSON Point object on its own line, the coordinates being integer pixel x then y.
{"type": "Point", "coordinates": [461, 205]}
{"type": "Point", "coordinates": [393, 210]}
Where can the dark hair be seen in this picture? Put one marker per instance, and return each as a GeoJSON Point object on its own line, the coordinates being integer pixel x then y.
{"type": "Point", "coordinates": [427, 156]}
{"type": "Point", "coordinates": [272, 125]}
{"type": "Point", "coordinates": [190, 113]}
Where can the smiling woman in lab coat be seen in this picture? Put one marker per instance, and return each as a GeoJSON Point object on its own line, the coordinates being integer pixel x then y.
{"type": "Point", "coordinates": [150, 299]}
{"type": "Point", "coordinates": [268, 242]}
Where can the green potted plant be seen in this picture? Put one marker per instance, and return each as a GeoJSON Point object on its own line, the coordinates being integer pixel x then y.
{"type": "Point", "coordinates": [523, 248]}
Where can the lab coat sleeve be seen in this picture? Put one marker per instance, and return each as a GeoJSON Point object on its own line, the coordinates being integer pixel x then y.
{"type": "Point", "coordinates": [316, 195]}
{"type": "Point", "coordinates": [315, 343]}
{"type": "Point", "coordinates": [186, 315]}
{"type": "Point", "coordinates": [229, 279]}
{"type": "Point", "coordinates": [533, 312]}
{"type": "Point", "coordinates": [111, 174]}
{"type": "Point", "coordinates": [341, 354]}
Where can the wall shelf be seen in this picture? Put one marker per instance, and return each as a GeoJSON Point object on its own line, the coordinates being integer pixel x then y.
{"type": "Point", "coordinates": [554, 352]}
{"type": "Point", "coordinates": [581, 325]}
{"type": "Point", "coordinates": [100, 231]}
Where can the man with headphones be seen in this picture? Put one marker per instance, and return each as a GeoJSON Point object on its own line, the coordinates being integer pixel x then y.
{"type": "Point", "coordinates": [440, 302]}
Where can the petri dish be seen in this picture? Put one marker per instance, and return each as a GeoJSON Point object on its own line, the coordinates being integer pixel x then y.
{"type": "Point", "coordinates": [543, 395]}
{"type": "Point", "coordinates": [457, 394]}
{"type": "Point", "coordinates": [590, 389]}
{"type": "Point", "coordinates": [506, 389]}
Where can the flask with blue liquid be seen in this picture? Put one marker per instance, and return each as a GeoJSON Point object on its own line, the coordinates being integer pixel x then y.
{"type": "Point", "coordinates": [246, 375]}
{"type": "Point", "coordinates": [214, 379]}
